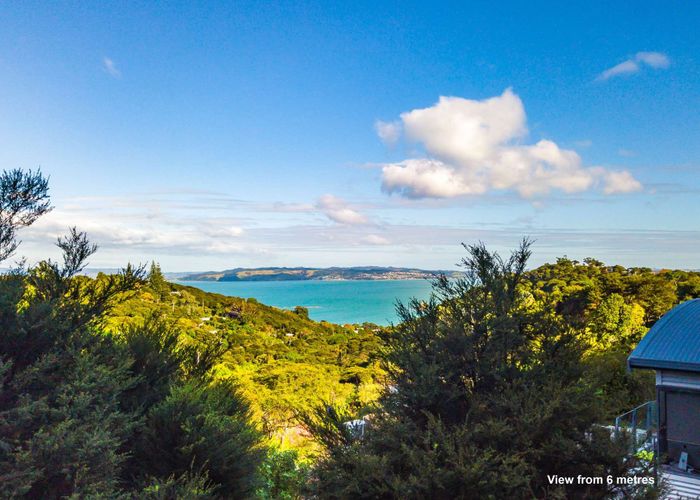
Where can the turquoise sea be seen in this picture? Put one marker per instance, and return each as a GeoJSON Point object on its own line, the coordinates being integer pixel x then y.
{"type": "Point", "coordinates": [340, 302]}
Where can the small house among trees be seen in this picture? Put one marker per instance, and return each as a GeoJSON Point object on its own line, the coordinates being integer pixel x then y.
{"type": "Point", "coordinates": [672, 349]}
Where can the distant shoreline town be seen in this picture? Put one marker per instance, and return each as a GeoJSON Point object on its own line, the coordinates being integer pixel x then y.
{"type": "Point", "coordinates": [318, 274]}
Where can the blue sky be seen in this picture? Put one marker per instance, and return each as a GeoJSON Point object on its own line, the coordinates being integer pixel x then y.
{"type": "Point", "coordinates": [209, 136]}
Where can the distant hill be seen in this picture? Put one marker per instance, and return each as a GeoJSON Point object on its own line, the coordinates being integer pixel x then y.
{"type": "Point", "coordinates": [310, 273]}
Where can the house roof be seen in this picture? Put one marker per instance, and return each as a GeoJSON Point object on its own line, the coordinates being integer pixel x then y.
{"type": "Point", "coordinates": [673, 343]}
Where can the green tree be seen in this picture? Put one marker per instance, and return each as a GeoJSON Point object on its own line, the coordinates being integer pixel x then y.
{"type": "Point", "coordinates": [77, 403]}
{"type": "Point", "coordinates": [615, 323]}
{"type": "Point", "coordinates": [487, 399]}
{"type": "Point", "coordinates": [202, 427]}
{"type": "Point", "coordinates": [61, 426]}
{"type": "Point", "coordinates": [284, 476]}
{"type": "Point", "coordinates": [24, 197]}
{"type": "Point", "coordinates": [156, 280]}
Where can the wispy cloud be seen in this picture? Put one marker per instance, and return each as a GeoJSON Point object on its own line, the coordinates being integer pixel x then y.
{"type": "Point", "coordinates": [475, 147]}
{"type": "Point", "coordinates": [388, 132]}
{"type": "Point", "coordinates": [655, 60]}
{"type": "Point", "coordinates": [198, 232]}
{"type": "Point", "coordinates": [110, 67]}
{"type": "Point", "coordinates": [375, 239]}
{"type": "Point", "coordinates": [283, 207]}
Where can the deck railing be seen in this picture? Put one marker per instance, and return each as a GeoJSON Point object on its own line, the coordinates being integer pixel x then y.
{"type": "Point", "coordinates": [641, 425]}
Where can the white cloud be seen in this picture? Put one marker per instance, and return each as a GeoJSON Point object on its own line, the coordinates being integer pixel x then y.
{"type": "Point", "coordinates": [459, 129]}
{"type": "Point", "coordinates": [425, 178]}
{"type": "Point", "coordinates": [475, 147]}
{"type": "Point", "coordinates": [388, 132]}
{"type": "Point", "coordinates": [178, 226]}
{"type": "Point", "coordinates": [339, 211]}
{"type": "Point", "coordinates": [110, 67]}
{"type": "Point", "coordinates": [138, 228]}
{"type": "Point", "coordinates": [230, 231]}
{"type": "Point", "coordinates": [375, 239]}
{"type": "Point", "coordinates": [656, 60]}
{"type": "Point", "coordinates": [620, 182]}
{"type": "Point", "coordinates": [142, 232]}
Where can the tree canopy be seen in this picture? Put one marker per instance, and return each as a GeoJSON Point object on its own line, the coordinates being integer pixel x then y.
{"type": "Point", "coordinates": [488, 397]}
{"type": "Point", "coordinates": [86, 413]}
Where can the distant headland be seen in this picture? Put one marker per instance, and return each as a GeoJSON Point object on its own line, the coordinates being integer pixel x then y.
{"type": "Point", "coordinates": [311, 273]}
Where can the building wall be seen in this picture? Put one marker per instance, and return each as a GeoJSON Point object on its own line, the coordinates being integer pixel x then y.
{"type": "Point", "coordinates": [687, 380]}
{"type": "Point", "coordinates": [678, 395]}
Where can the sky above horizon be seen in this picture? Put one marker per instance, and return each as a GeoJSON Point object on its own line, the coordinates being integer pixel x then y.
{"type": "Point", "coordinates": [213, 135]}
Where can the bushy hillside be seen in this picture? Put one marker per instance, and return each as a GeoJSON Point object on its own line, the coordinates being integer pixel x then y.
{"type": "Point", "coordinates": [503, 380]}
{"type": "Point", "coordinates": [610, 308]}
{"type": "Point", "coordinates": [283, 362]}
{"type": "Point", "coordinates": [286, 364]}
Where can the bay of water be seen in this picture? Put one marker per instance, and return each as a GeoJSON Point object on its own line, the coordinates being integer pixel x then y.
{"type": "Point", "coordinates": [354, 301]}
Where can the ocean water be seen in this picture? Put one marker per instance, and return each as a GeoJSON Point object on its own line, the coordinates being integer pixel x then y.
{"type": "Point", "coordinates": [354, 301]}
